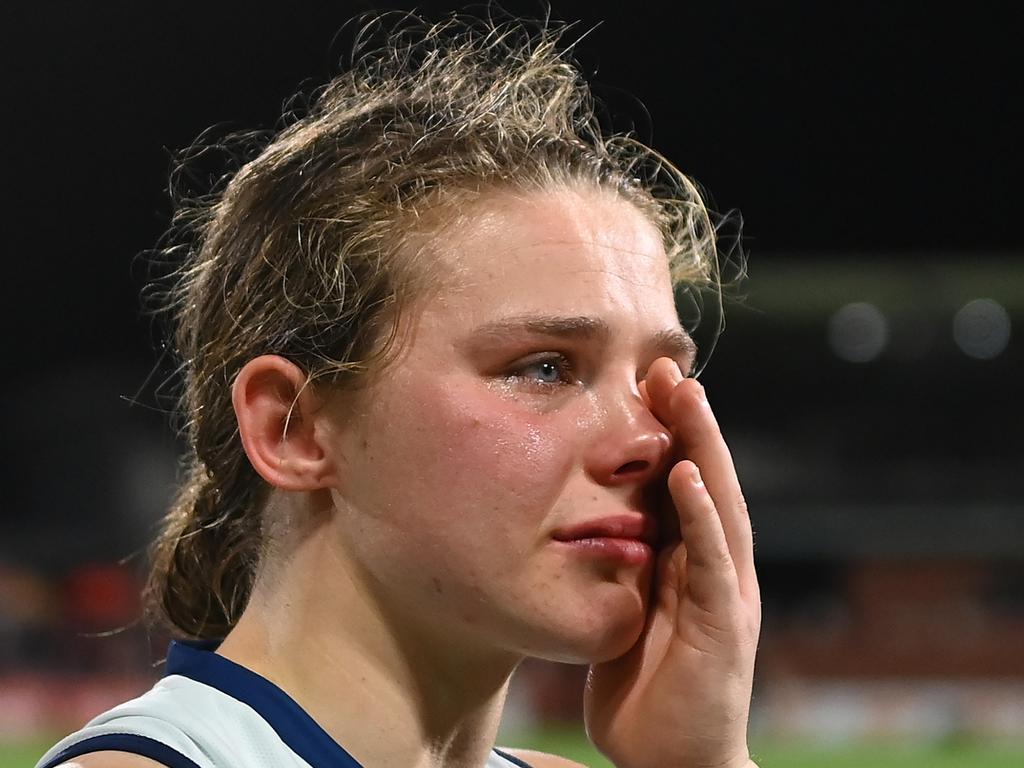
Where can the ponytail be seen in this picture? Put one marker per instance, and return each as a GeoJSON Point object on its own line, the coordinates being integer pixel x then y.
{"type": "Point", "coordinates": [204, 561]}
{"type": "Point", "coordinates": [323, 238]}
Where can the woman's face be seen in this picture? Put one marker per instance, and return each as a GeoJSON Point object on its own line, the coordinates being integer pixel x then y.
{"type": "Point", "coordinates": [475, 470]}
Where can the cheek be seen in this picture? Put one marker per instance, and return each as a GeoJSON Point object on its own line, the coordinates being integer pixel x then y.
{"type": "Point", "coordinates": [498, 451]}
{"type": "Point", "coordinates": [469, 455]}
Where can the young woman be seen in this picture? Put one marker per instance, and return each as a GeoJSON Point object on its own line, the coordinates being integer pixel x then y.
{"type": "Point", "coordinates": [440, 421]}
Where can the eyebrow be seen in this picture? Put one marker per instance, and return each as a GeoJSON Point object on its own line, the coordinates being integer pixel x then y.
{"type": "Point", "coordinates": [678, 345]}
{"type": "Point", "coordinates": [674, 343]}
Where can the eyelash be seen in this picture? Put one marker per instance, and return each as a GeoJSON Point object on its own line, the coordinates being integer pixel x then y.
{"type": "Point", "coordinates": [567, 371]}
{"type": "Point", "coordinates": [568, 376]}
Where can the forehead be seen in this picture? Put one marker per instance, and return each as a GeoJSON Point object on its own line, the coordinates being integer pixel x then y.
{"type": "Point", "coordinates": [569, 251]}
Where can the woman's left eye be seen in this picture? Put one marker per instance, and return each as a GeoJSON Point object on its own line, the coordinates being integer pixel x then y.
{"type": "Point", "coordinates": [547, 371]}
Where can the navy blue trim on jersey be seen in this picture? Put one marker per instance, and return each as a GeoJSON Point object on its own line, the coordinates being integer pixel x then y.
{"type": "Point", "coordinates": [512, 759]}
{"type": "Point", "coordinates": [298, 730]}
{"type": "Point", "coordinates": [124, 742]}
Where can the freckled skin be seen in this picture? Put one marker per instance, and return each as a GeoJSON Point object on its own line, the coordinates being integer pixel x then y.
{"type": "Point", "coordinates": [456, 475]}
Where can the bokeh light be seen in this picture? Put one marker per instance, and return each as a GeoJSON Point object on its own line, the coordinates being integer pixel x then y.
{"type": "Point", "coordinates": [858, 332]}
{"type": "Point", "coordinates": [981, 329]}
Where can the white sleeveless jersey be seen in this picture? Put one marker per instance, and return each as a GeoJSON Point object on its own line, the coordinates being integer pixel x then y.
{"type": "Point", "coordinates": [208, 712]}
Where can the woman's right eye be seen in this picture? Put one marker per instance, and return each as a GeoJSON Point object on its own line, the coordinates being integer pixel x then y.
{"type": "Point", "coordinates": [544, 371]}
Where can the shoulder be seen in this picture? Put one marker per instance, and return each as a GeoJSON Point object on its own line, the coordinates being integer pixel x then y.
{"type": "Point", "coordinates": [111, 760]}
{"type": "Point", "coordinates": [128, 760]}
{"type": "Point", "coordinates": [173, 724]}
{"type": "Point", "coordinates": [539, 759]}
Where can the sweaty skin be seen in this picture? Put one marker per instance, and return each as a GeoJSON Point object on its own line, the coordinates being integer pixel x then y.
{"type": "Point", "coordinates": [682, 694]}
{"type": "Point", "coordinates": [419, 562]}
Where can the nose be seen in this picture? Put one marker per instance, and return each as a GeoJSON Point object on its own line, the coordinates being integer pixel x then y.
{"type": "Point", "coordinates": [633, 448]}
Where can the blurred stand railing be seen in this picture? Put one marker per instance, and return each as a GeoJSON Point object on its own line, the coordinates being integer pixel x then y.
{"type": "Point", "coordinates": [873, 408]}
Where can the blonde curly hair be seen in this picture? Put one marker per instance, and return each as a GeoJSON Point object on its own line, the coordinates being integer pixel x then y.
{"type": "Point", "coordinates": [307, 250]}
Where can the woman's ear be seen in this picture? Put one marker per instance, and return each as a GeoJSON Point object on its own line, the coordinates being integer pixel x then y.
{"type": "Point", "coordinates": [276, 412]}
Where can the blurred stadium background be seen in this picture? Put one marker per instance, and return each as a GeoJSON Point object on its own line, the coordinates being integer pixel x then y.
{"type": "Point", "coordinates": [869, 380]}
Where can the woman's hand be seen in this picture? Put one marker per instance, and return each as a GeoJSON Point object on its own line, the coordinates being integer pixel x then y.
{"type": "Point", "coordinates": [680, 698]}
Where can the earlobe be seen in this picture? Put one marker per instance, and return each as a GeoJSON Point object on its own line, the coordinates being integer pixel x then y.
{"type": "Point", "coordinates": [276, 412]}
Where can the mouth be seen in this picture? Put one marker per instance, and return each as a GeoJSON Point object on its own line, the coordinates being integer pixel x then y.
{"type": "Point", "coordinates": [627, 527]}
{"type": "Point", "coordinates": [625, 540]}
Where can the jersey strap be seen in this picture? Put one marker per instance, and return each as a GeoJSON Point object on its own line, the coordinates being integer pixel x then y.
{"type": "Point", "coordinates": [123, 742]}
{"type": "Point", "coordinates": [293, 725]}
{"type": "Point", "coordinates": [511, 758]}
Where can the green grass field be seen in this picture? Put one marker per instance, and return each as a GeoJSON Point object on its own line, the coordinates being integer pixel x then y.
{"type": "Point", "coordinates": [572, 744]}
{"type": "Point", "coordinates": [954, 754]}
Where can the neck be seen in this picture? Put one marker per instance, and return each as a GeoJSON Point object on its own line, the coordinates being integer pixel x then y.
{"type": "Point", "coordinates": [391, 688]}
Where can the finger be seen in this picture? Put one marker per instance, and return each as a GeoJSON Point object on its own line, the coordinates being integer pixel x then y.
{"type": "Point", "coordinates": [662, 378]}
{"type": "Point", "coordinates": [682, 406]}
{"type": "Point", "coordinates": [700, 440]}
{"type": "Point", "coordinates": [670, 577]}
{"type": "Point", "coordinates": [711, 578]}
{"type": "Point", "coordinates": [642, 386]}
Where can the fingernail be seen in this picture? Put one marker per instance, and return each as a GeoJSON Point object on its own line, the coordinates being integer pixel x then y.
{"type": "Point", "coordinates": [695, 477]}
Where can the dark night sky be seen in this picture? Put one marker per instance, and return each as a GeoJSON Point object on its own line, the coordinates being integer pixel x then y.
{"type": "Point", "coordinates": [890, 129]}
{"type": "Point", "coordinates": [876, 126]}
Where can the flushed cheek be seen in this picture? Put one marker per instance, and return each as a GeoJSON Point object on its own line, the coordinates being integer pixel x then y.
{"type": "Point", "coordinates": [491, 456]}
{"type": "Point", "coordinates": [462, 484]}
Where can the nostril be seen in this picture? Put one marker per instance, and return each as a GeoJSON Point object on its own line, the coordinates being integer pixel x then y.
{"type": "Point", "coordinates": [631, 466]}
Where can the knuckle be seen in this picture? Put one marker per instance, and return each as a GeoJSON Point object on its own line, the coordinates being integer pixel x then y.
{"type": "Point", "coordinates": [723, 559]}
{"type": "Point", "coordinates": [741, 506]}
{"type": "Point", "coordinates": [687, 394]}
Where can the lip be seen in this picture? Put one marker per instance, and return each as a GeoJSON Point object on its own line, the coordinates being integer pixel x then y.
{"type": "Point", "coordinates": [637, 527]}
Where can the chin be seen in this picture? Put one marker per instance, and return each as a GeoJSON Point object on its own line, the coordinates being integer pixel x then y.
{"type": "Point", "coordinates": [600, 648]}
{"type": "Point", "coordinates": [602, 631]}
